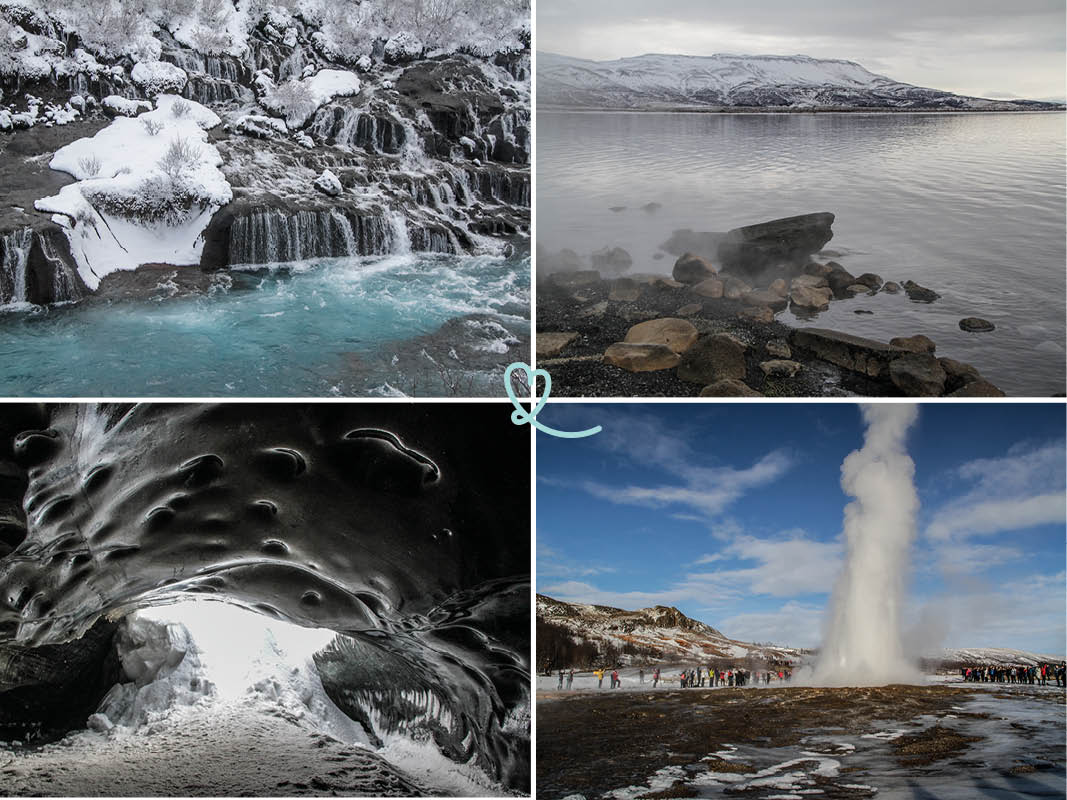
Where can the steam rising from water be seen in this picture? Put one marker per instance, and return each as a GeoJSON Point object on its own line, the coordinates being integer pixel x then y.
{"type": "Point", "coordinates": [863, 644]}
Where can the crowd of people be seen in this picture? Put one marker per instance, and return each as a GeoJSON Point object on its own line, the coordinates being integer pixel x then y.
{"type": "Point", "coordinates": [697, 677]}
{"type": "Point", "coordinates": [1034, 674]}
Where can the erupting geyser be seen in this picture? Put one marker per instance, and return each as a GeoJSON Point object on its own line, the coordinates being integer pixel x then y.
{"type": "Point", "coordinates": [863, 644]}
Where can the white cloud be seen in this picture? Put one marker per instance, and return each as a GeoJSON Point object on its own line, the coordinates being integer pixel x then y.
{"type": "Point", "coordinates": [709, 491]}
{"type": "Point", "coordinates": [793, 625]}
{"type": "Point", "coordinates": [995, 516]}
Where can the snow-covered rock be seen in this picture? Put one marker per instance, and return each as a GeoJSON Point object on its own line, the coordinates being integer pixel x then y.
{"type": "Point", "coordinates": [329, 184]}
{"type": "Point", "coordinates": [297, 100]}
{"type": "Point", "coordinates": [140, 197]}
{"type": "Point", "coordinates": [116, 106]}
{"type": "Point", "coordinates": [403, 46]}
{"type": "Point", "coordinates": [159, 77]}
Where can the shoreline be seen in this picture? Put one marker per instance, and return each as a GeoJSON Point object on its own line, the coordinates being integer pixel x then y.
{"type": "Point", "coordinates": [554, 109]}
{"type": "Point", "coordinates": [740, 347]}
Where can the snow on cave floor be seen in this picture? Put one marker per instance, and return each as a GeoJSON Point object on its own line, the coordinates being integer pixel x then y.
{"type": "Point", "coordinates": [229, 747]}
{"type": "Point", "coordinates": [221, 701]}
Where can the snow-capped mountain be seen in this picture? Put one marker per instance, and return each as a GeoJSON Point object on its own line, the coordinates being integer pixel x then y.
{"type": "Point", "coordinates": [660, 633]}
{"type": "Point", "coordinates": [725, 80]}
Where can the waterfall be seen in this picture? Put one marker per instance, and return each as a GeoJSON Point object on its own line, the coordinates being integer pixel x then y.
{"type": "Point", "coordinates": [353, 128]}
{"type": "Point", "coordinates": [399, 226]}
{"type": "Point", "coordinates": [207, 91]}
{"type": "Point", "coordinates": [14, 253]}
{"type": "Point", "coordinates": [267, 236]}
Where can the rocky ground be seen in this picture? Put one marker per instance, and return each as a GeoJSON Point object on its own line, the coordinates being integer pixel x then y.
{"type": "Point", "coordinates": [908, 741]}
{"type": "Point", "coordinates": [710, 328]}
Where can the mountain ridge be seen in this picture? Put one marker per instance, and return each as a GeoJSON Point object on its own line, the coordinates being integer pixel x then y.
{"type": "Point", "coordinates": [656, 81]}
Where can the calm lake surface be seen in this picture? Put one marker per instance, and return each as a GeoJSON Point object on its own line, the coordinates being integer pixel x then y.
{"type": "Point", "coordinates": [969, 205]}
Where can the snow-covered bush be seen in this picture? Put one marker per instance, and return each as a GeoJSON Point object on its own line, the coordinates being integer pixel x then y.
{"type": "Point", "coordinates": [353, 28]}
{"type": "Point", "coordinates": [111, 27]}
{"type": "Point", "coordinates": [159, 77]}
{"type": "Point", "coordinates": [297, 100]}
{"type": "Point", "coordinates": [89, 165]}
{"type": "Point", "coordinates": [180, 158]}
{"type": "Point", "coordinates": [154, 199]}
{"type": "Point", "coordinates": [152, 126]}
{"type": "Point", "coordinates": [179, 109]}
{"type": "Point", "coordinates": [292, 99]}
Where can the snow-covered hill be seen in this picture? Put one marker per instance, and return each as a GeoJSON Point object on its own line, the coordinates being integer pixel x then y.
{"type": "Point", "coordinates": [664, 633]}
{"type": "Point", "coordinates": [726, 80]}
{"type": "Point", "coordinates": [995, 655]}
{"type": "Point", "coordinates": [660, 633]}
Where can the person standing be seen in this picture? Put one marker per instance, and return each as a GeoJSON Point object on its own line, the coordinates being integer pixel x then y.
{"type": "Point", "coordinates": [655, 678]}
{"type": "Point", "coordinates": [599, 678]}
{"type": "Point", "coordinates": [615, 682]}
{"type": "Point", "coordinates": [641, 674]}
{"type": "Point", "coordinates": [559, 686]}
{"type": "Point", "coordinates": [570, 680]}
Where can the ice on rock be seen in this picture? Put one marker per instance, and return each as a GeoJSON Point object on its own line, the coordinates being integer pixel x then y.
{"type": "Point", "coordinates": [159, 77]}
{"type": "Point", "coordinates": [403, 46]}
{"type": "Point", "coordinates": [328, 183]}
{"type": "Point", "coordinates": [164, 669]}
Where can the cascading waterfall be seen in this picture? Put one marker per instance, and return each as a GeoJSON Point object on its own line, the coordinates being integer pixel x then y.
{"type": "Point", "coordinates": [14, 254]}
{"type": "Point", "coordinates": [863, 644]}
{"type": "Point", "coordinates": [353, 128]}
{"type": "Point", "coordinates": [268, 236]}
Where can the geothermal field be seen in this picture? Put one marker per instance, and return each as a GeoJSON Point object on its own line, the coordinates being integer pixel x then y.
{"type": "Point", "coordinates": [923, 741]}
{"type": "Point", "coordinates": [868, 713]}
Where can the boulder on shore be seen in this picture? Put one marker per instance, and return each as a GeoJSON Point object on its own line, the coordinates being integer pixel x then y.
{"type": "Point", "coordinates": [918, 375]}
{"type": "Point", "coordinates": [771, 246]}
{"type": "Point", "coordinates": [728, 387]}
{"type": "Point", "coordinates": [677, 334]}
{"type": "Point", "coordinates": [856, 353]}
{"type": "Point", "coordinates": [612, 260]}
{"type": "Point", "coordinates": [641, 357]}
{"type": "Point", "coordinates": [915, 344]}
{"type": "Point", "coordinates": [692, 269]}
{"type": "Point", "coordinates": [551, 343]}
{"type": "Point", "coordinates": [717, 357]}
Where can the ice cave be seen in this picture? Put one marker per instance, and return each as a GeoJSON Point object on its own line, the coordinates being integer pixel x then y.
{"type": "Point", "coordinates": [266, 599]}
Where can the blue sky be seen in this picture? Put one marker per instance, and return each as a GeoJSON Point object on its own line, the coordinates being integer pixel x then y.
{"type": "Point", "coordinates": [733, 513]}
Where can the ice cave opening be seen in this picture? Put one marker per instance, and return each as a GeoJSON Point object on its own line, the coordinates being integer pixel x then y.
{"type": "Point", "coordinates": [261, 600]}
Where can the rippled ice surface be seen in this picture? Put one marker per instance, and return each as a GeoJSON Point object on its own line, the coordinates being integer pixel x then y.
{"type": "Point", "coordinates": [971, 205]}
{"type": "Point", "coordinates": [353, 326]}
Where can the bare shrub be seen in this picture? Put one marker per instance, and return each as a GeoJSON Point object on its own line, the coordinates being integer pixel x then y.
{"type": "Point", "coordinates": [180, 109]}
{"type": "Point", "coordinates": [293, 99]}
{"type": "Point", "coordinates": [151, 126]}
{"type": "Point", "coordinates": [181, 157]}
{"type": "Point", "coordinates": [90, 165]}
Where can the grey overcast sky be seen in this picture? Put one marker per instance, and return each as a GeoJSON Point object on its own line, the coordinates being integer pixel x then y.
{"type": "Point", "coordinates": [984, 48]}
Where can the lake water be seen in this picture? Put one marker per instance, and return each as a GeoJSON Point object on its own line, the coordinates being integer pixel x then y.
{"type": "Point", "coordinates": [970, 205]}
{"type": "Point", "coordinates": [338, 327]}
